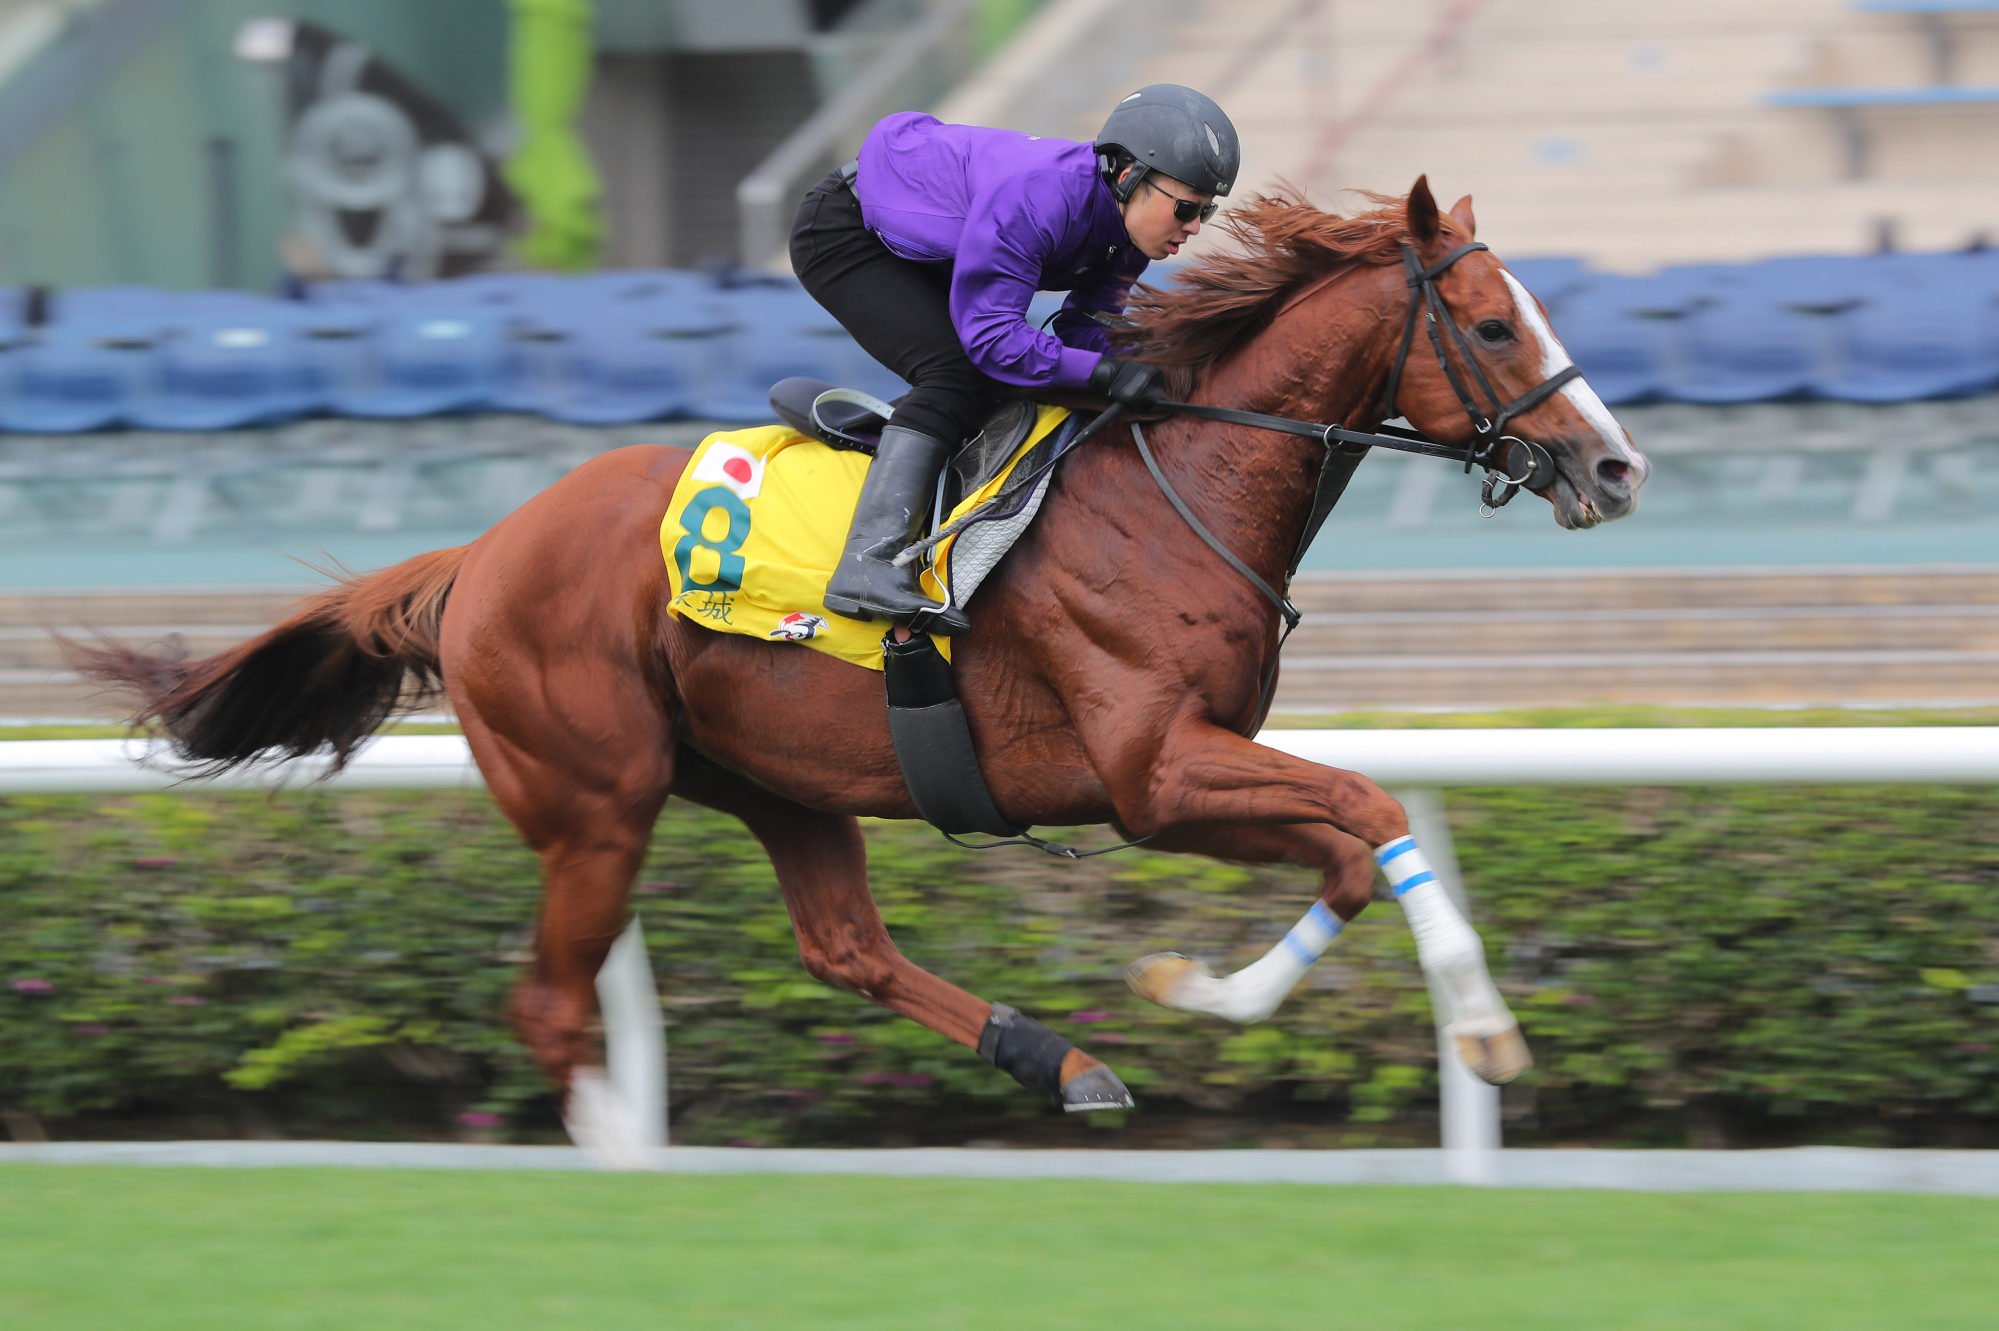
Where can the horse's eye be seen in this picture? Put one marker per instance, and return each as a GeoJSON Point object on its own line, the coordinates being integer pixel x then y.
{"type": "Point", "coordinates": [1495, 331]}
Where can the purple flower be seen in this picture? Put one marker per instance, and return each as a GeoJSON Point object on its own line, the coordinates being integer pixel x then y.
{"type": "Point", "coordinates": [93, 1029]}
{"type": "Point", "coordinates": [836, 1037]}
{"type": "Point", "coordinates": [1089, 1016]}
{"type": "Point", "coordinates": [186, 1000]}
{"type": "Point", "coordinates": [33, 987]}
{"type": "Point", "coordinates": [153, 862]}
{"type": "Point", "coordinates": [473, 1118]}
{"type": "Point", "coordinates": [661, 885]}
{"type": "Point", "coordinates": [1972, 1047]}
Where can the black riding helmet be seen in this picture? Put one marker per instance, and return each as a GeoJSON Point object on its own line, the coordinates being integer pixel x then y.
{"type": "Point", "coordinates": [1173, 130]}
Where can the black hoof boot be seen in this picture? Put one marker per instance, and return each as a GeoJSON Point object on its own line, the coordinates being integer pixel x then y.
{"type": "Point", "coordinates": [1033, 1054]}
{"type": "Point", "coordinates": [894, 500]}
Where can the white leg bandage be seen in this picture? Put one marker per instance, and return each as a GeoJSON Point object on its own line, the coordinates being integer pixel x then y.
{"type": "Point", "coordinates": [1448, 949]}
{"type": "Point", "coordinates": [1253, 993]}
{"type": "Point", "coordinates": [1442, 936]}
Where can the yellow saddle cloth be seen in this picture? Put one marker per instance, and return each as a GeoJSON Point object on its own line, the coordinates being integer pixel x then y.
{"type": "Point", "coordinates": [757, 523]}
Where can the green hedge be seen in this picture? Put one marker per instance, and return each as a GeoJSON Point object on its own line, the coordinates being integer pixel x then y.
{"type": "Point", "coordinates": [1692, 966]}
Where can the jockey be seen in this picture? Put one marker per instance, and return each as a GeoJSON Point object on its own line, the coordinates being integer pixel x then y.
{"type": "Point", "coordinates": [928, 249]}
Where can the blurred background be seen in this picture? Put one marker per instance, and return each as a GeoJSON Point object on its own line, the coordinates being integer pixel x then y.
{"type": "Point", "coordinates": [309, 280]}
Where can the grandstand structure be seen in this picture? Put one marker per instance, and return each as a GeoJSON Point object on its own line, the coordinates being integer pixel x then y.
{"type": "Point", "coordinates": [1699, 196]}
{"type": "Point", "coordinates": [1628, 135]}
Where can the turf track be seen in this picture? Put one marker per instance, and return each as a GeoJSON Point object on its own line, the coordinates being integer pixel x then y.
{"type": "Point", "coordinates": [278, 1250]}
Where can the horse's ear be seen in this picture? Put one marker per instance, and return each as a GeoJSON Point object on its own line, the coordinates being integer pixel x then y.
{"type": "Point", "coordinates": [1422, 212]}
{"type": "Point", "coordinates": [1461, 214]}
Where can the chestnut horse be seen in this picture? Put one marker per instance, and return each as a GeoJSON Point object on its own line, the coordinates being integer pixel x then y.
{"type": "Point", "coordinates": [1116, 673]}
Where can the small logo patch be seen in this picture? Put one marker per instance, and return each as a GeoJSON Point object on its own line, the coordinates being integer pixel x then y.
{"type": "Point", "coordinates": [797, 627]}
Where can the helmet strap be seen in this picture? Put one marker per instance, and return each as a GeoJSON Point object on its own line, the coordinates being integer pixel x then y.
{"type": "Point", "coordinates": [1133, 171]}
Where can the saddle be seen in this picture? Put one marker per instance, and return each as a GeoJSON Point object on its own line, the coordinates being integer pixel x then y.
{"type": "Point", "coordinates": [848, 418]}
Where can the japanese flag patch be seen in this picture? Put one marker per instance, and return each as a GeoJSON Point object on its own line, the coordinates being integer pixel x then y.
{"type": "Point", "coordinates": [736, 469]}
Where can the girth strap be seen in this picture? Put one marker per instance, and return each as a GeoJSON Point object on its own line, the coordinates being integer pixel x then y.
{"type": "Point", "coordinates": [933, 741]}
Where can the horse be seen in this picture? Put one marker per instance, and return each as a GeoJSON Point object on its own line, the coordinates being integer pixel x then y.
{"type": "Point", "coordinates": [1116, 674]}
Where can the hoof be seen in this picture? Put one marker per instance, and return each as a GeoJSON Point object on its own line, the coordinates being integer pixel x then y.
{"type": "Point", "coordinates": [1099, 1088]}
{"type": "Point", "coordinates": [1154, 977]}
{"type": "Point", "coordinates": [1497, 1057]}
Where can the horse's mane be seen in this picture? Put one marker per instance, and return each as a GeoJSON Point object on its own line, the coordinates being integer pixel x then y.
{"type": "Point", "coordinates": [1281, 244]}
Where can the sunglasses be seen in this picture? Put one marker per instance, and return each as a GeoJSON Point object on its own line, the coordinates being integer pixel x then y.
{"type": "Point", "coordinates": [1187, 210]}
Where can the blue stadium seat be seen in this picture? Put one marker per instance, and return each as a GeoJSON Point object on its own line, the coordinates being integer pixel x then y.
{"type": "Point", "coordinates": [1746, 349]}
{"type": "Point", "coordinates": [213, 378]}
{"type": "Point", "coordinates": [616, 365]}
{"type": "Point", "coordinates": [1620, 330]}
{"type": "Point", "coordinates": [225, 364]}
{"type": "Point", "coordinates": [615, 347]}
{"type": "Point", "coordinates": [619, 347]}
{"type": "Point", "coordinates": [1553, 279]}
{"type": "Point", "coordinates": [415, 361]}
{"type": "Point", "coordinates": [128, 306]}
{"type": "Point", "coordinates": [497, 290]}
{"type": "Point", "coordinates": [371, 292]}
{"type": "Point", "coordinates": [84, 369]}
{"type": "Point", "coordinates": [69, 379]}
{"type": "Point", "coordinates": [1915, 341]}
{"type": "Point", "coordinates": [333, 353]}
{"type": "Point", "coordinates": [776, 330]}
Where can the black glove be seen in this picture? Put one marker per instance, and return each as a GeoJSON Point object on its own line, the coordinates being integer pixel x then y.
{"type": "Point", "coordinates": [1132, 382]}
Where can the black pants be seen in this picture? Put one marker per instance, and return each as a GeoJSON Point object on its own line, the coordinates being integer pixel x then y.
{"type": "Point", "coordinates": [899, 311]}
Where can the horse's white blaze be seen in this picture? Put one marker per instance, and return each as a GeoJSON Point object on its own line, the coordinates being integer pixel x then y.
{"type": "Point", "coordinates": [1554, 359]}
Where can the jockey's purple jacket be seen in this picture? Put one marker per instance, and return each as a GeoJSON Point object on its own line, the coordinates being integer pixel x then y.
{"type": "Point", "coordinates": [1012, 215]}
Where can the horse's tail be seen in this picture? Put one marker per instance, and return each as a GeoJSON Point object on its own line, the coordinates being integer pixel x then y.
{"type": "Point", "coordinates": [344, 662]}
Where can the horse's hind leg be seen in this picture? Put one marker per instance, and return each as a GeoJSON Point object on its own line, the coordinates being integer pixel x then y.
{"type": "Point", "coordinates": [1346, 885]}
{"type": "Point", "coordinates": [821, 865]}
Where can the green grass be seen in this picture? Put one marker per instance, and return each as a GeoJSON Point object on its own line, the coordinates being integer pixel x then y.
{"type": "Point", "coordinates": [292, 1250]}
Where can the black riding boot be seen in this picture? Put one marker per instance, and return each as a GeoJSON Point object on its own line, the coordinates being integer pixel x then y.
{"type": "Point", "coordinates": [895, 500]}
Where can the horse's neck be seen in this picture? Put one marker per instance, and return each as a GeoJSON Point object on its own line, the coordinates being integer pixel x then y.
{"type": "Point", "coordinates": [1253, 487]}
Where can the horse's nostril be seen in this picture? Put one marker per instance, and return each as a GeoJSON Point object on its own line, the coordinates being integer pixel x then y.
{"type": "Point", "coordinates": [1614, 474]}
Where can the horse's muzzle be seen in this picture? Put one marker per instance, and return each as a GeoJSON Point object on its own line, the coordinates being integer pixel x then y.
{"type": "Point", "coordinates": [1606, 490]}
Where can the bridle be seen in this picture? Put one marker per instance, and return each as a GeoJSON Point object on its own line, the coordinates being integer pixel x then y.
{"type": "Point", "coordinates": [1511, 463]}
{"type": "Point", "coordinates": [1489, 437]}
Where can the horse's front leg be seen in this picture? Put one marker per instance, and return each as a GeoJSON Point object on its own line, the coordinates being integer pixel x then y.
{"type": "Point", "coordinates": [1203, 775]}
{"type": "Point", "coordinates": [1346, 885]}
